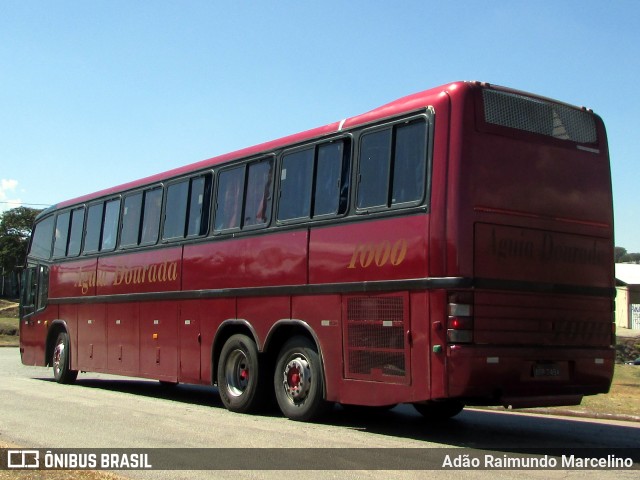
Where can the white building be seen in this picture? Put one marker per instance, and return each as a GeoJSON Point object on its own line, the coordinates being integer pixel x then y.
{"type": "Point", "coordinates": [628, 295]}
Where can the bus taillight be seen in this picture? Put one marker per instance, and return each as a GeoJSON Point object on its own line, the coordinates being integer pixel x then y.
{"type": "Point", "coordinates": [460, 320]}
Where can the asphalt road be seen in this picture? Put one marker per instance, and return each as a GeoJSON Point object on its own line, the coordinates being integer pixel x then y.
{"type": "Point", "coordinates": [104, 411]}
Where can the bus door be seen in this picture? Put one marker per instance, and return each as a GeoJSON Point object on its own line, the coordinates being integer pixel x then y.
{"type": "Point", "coordinates": [33, 315]}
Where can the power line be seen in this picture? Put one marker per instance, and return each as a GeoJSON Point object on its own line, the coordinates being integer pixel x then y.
{"type": "Point", "coordinates": [29, 204]}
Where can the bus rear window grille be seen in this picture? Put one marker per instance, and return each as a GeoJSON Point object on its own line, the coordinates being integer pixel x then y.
{"type": "Point", "coordinates": [375, 309]}
{"type": "Point", "coordinates": [539, 116]}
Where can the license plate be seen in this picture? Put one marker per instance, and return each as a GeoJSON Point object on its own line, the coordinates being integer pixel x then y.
{"type": "Point", "coordinates": [546, 370]}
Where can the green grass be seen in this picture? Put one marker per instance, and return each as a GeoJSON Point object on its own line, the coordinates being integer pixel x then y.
{"type": "Point", "coordinates": [623, 400]}
{"type": "Point", "coordinates": [7, 324]}
{"type": "Point", "coordinates": [9, 332]}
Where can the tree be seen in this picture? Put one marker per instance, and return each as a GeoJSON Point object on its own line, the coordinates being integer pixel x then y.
{"type": "Point", "coordinates": [630, 258]}
{"type": "Point", "coordinates": [619, 253]}
{"type": "Point", "coordinates": [622, 256]}
{"type": "Point", "coordinates": [15, 230]}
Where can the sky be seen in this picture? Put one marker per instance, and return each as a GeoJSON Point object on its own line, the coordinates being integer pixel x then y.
{"type": "Point", "coordinates": [98, 93]}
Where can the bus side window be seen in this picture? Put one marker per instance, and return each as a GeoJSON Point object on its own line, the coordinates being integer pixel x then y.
{"type": "Point", "coordinates": [35, 289]}
{"type": "Point", "coordinates": [175, 210]}
{"type": "Point", "coordinates": [110, 225]}
{"type": "Point", "coordinates": [187, 208]}
{"type": "Point", "coordinates": [131, 214]}
{"type": "Point", "coordinates": [61, 235]}
{"type": "Point", "coordinates": [392, 166]}
{"type": "Point", "coordinates": [295, 185]}
{"type": "Point", "coordinates": [43, 238]}
{"type": "Point", "coordinates": [75, 232]}
{"type": "Point", "coordinates": [94, 228]}
{"type": "Point", "coordinates": [68, 233]}
{"type": "Point", "coordinates": [332, 180]}
{"type": "Point", "coordinates": [258, 193]}
{"type": "Point", "coordinates": [29, 290]}
{"type": "Point", "coordinates": [199, 202]}
{"type": "Point", "coordinates": [151, 216]}
{"type": "Point", "coordinates": [375, 156]}
{"type": "Point", "coordinates": [314, 182]}
{"type": "Point", "coordinates": [409, 163]}
{"type": "Point", "coordinates": [43, 287]}
{"type": "Point", "coordinates": [229, 198]}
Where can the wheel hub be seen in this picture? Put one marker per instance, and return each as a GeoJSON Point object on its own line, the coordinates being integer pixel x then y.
{"type": "Point", "coordinates": [297, 379]}
{"type": "Point", "coordinates": [57, 355]}
{"type": "Point", "coordinates": [237, 372]}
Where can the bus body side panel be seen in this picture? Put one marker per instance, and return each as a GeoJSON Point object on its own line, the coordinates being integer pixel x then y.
{"type": "Point", "coordinates": [140, 272]}
{"type": "Point", "coordinates": [438, 380]}
{"type": "Point", "coordinates": [123, 336]}
{"type": "Point", "coordinates": [254, 261]}
{"type": "Point", "coordinates": [73, 279]}
{"type": "Point", "coordinates": [376, 250]}
{"type": "Point", "coordinates": [159, 340]}
{"type": "Point", "coordinates": [376, 325]}
{"type": "Point", "coordinates": [77, 278]}
{"type": "Point", "coordinates": [212, 313]}
{"type": "Point", "coordinates": [190, 338]}
{"type": "Point", "coordinates": [92, 337]}
{"type": "Point", "coordinates": [439, 245]}
{"type": "Point", "coordinates": [262, 313]}
{"type": "Point", "coordinates": [419, 343]}
{"type": "Point", "coordinates": [33, 334]}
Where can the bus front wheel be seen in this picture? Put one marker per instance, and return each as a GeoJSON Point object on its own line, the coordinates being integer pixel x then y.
{"type": "Point", "coordinates": [239, 376]}
{"type": "Point", "coordinates": [299, 381]}
{"type": "Point", "coordinates": [60, 360]}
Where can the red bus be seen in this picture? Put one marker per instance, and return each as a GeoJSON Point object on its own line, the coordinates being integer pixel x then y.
{"type": "Point", "coordinates": [451, 248]}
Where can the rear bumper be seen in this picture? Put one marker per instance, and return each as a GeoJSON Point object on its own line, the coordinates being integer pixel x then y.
{"type": "Point", "coordinates": [527, 377]}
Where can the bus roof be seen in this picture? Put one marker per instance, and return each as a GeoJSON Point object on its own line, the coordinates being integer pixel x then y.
{"type": "Point", "coordinates": [396, 107]}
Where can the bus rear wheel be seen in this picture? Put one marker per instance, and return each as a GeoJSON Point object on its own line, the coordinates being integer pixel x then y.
{"type": "Point", "coordinates": [240, 380]}
{"type": "Point", "coordinates": [299, 381]}
{"type": "Point", "coordinates": [439, 410]}
{"type": "Point", "coordinates": [60, 360]}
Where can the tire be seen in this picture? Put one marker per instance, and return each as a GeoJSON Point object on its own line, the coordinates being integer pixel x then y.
{"type": "Point", "coordinates": [299, 381]}
{"type": "Point", "coordinates": [240, 376]}
{"type": "Point", "coordinates": [439, 410]}
{"type": "Point", "coordinates": [60, 360]}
